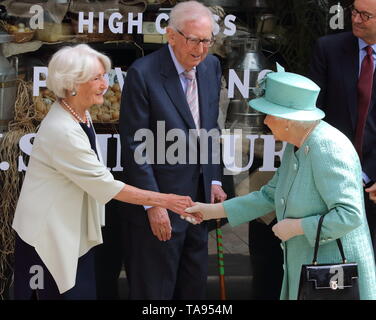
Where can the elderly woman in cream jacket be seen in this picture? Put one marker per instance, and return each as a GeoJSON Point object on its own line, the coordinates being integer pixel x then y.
{"type": "Point", "coordinates": [60, 210]}
{"type": "Point", "coordinates": [320, 174]}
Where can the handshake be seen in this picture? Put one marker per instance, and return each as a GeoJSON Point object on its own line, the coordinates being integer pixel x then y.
{"type": "Point", "coordinates": [196, 212]}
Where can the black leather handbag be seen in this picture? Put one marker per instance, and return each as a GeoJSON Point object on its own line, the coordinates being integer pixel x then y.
{"type": "Point", "coordinates": [328, 281]}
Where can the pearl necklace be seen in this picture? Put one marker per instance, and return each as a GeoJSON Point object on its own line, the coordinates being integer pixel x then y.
{"type": "Point", "coordinates": [70, 109]}
{"type": "Point", "coordinates": [309, 132]}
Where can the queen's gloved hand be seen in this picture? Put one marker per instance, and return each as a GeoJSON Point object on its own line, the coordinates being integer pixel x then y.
{"type": "Point", "coordinates": [208, 211]}
{"type": "Point", "coordinates": [288, 228]}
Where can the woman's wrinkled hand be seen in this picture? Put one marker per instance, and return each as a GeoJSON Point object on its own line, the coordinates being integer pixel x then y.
{"type": "Point", "coordinates": [288, 228]}
{"type": "Point", "coordinates": [208, 211]}
{"type": "Point", "coordinates": [178, 204]}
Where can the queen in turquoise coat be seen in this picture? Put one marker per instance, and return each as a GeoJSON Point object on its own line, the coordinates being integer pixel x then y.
{"type": "Point", "coordinates": [320, 174]}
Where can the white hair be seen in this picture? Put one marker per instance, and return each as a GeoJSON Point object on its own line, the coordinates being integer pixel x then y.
{"type": "Point", "coordinates": [189, 11]}
{"type": "Point", "coordinates": [302, 124]}
{"type": "Point", "coordinates": [73, 65]}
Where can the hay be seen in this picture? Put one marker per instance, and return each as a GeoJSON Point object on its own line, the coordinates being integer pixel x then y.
{"type": "Point", "coordinates": [11, 179]}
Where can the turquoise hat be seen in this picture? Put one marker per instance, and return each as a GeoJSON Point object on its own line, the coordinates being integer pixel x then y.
{"type": "Point", "coordinates": [290, 96]}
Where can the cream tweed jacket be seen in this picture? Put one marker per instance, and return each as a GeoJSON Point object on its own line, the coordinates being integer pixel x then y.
{"type": "Point", "coordinates": [61, 205]}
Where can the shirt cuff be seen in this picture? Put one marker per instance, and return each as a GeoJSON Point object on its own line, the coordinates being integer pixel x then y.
{"type": "Point", "coordinates": [366, 179]}
{"type": "Point", "coordinates": [147, 207]}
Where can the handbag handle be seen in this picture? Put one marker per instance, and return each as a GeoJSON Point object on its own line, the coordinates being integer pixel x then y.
{"type": "Point", "coordinates": [339, 243]}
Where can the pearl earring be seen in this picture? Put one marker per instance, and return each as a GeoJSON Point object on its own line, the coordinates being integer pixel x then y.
{"type": "Point", "coordinates": [287, 128]}
{"type": "Point", "coordinates": [73, 93]}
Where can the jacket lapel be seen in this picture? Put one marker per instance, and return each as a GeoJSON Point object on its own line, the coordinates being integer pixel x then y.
{"type": "Point", "coordinates": [373, 97]}
{"type": "Point", "coordinates": [350, 63]}
{"type": "Point", "coordinates": [203, 93]}
{"type": "Point", "coordinates": [174, 89]}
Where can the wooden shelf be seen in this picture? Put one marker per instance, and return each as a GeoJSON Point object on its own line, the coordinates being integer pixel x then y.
{"type": "Point", "coordinates": [11, 48]}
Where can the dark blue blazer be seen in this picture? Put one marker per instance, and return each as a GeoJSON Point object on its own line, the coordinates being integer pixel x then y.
{"type": "Point", "coordinates": [335, 68]}
{"type": "Point", "coordinates": [153, 92]}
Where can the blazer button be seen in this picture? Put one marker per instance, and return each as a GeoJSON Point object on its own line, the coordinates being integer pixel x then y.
{"type": "Point", "coordinates": [282, 201]}
{"type": "Point", "coordinates": [295, 166]}
{"type": "Point", "coordinates": [306, 149]}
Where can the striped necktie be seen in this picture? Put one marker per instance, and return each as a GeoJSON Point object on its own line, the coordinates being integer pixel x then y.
{"type": "Point", "coordinates": [192, 96]}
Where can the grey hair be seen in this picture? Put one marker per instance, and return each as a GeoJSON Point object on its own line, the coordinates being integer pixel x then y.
{"type": "Point", "coordinates": [73, 65]}
{"type": "Point", "coordinates": [189, 11]}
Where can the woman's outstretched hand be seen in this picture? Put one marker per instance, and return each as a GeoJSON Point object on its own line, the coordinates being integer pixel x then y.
{"type": "Point", "coordinates": [207, 211]}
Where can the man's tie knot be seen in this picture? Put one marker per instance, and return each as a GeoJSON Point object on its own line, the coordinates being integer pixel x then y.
{"type": "Point", "coordinates": [369, 50]}
{"type": "Point", "coordinates": [190, 75]}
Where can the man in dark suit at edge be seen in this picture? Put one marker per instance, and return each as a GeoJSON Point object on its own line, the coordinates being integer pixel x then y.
{"type": "Point", "coordinates": [343, 66]}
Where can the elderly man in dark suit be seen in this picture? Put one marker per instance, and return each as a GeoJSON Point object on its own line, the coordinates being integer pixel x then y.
{"type": "Point", "coordinates": [343, 66]}
{"type": "Point", "coordinates": [174, 88]}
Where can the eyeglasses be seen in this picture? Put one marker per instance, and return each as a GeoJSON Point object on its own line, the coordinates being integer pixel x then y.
{"type": "Point", "coordinates": [193, 42]}
{"type": "Point", "coordinates": [363, 15]}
